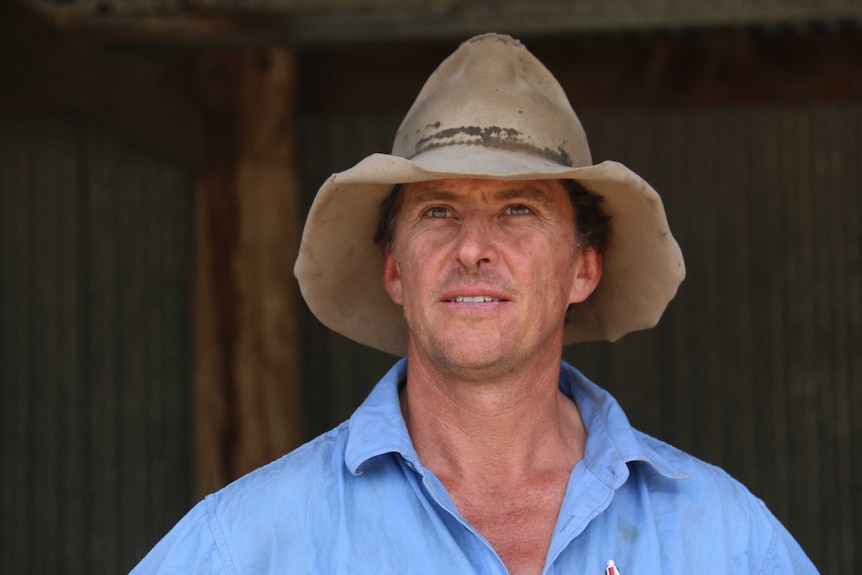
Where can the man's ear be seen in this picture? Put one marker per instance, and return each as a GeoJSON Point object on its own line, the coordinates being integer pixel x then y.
{"type": "Point", "coordinates": [392, 276]}
{"type": "Point", "coordinates": [587, 275]}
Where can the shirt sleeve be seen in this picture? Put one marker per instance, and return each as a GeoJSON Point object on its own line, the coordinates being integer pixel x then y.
{"type": "Point", "coordinates": [194, 545]}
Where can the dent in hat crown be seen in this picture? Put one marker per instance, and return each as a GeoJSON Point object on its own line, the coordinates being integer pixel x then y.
{"type": "Point", "coordinates": [493, 93]}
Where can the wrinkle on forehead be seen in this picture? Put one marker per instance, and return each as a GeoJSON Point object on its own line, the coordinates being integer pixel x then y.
{"type": "Point", "coordinates": [441, 191]}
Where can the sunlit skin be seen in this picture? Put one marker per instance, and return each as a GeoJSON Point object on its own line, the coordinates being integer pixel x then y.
{"type": "Point", "coordinates": [485, 271]}
{"type": "Point", "coordinates": [511, 242]}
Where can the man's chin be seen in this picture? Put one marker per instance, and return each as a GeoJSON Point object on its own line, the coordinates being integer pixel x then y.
{"type": "Point", "coordinates": [468, 354]}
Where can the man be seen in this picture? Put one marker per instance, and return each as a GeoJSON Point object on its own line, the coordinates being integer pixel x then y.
{"type": "Point", "coordinates": [485, 242]}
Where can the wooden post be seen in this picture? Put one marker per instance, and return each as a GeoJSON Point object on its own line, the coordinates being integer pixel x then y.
{"type": "Point", "coordinates": [247, 394]}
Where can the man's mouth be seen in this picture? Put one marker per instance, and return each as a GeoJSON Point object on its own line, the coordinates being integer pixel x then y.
{"type": "Point", "coordinates": [474, 299]}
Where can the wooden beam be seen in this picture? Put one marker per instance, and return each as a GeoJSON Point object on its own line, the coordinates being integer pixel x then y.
{"type": "Point", "coordinates": [719, 67]}
{"type": "Point", "coordinates": [247, 393]}
{"type": "Point", "coordinates": [306, 22]}
{"type": "Point", "coordinates": [134, 93]}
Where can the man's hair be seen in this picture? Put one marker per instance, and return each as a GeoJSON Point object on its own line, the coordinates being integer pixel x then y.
{"type": "Point", "coordinates": [592, 225]}
{"type": "Point", "coordinates": [389, 208]}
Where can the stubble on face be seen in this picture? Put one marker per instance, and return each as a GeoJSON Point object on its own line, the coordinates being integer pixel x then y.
{"type": "Point", "coordinates": [459, 240]}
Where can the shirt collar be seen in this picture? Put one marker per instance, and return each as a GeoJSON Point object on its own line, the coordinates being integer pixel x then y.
{"type": "Point", "coordinates": [612, 442]}
{"type": "Point", "coordinates": [377, 427]}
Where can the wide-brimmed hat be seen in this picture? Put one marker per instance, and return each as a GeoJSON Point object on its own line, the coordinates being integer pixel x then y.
{"type": "Point", "coordinates": [490, 110]}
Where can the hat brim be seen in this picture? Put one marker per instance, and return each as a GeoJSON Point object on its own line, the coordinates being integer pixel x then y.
{"type": "Point", "coordinates": [340, 268]}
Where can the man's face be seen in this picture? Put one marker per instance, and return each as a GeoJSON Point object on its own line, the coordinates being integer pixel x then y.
{"type": "Point", "coordinates": [486, 269]}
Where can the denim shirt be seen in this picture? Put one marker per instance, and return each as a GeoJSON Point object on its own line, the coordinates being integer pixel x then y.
{"type": "Point", "coordinates": [358, 500]}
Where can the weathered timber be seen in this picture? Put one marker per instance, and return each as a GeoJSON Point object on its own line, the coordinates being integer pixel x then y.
{"type": "Point", "coordinates": [246, 384]}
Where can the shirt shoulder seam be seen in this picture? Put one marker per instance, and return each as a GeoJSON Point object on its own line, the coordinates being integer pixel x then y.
{"type": "Point", "coordinates": [771, 549]}
{"type": "Point", "coordinates": [218, 537]}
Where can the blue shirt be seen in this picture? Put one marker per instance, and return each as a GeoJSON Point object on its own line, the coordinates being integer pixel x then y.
{"type": "Point", "coordinates": [357, 500]}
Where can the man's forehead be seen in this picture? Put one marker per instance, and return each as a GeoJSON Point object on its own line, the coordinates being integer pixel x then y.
{"type": "Point", "coordinates": [499, 189]}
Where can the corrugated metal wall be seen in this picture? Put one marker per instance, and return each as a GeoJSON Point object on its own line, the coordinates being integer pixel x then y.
{"type": "Point", "coordinates": [756, 366]}
{"type": "Point", "coordinates": [332, 362]}
{"type": "Point", "coordinates": [94, 347]}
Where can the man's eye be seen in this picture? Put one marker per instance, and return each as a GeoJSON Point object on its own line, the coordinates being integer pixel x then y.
{"type": "Point", "coordinates": [437, 212]}
{"type": "Point", "coordinates": [518, 210]}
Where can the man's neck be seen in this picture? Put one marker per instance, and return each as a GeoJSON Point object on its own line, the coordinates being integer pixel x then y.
{"type": "Point", "coordinates": [503, 447]}
{"type": "Point", "coordinates": [518, 422]}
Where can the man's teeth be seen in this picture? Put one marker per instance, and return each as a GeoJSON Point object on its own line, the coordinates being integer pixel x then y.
{"type": "Point", "coordinates": [476, 299]}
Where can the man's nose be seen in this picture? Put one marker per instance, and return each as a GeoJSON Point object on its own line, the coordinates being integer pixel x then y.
{"type": "Point", "coordinates": [476, 245]}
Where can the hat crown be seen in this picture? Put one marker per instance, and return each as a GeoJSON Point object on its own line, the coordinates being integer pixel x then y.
{"type": "Point", "coordinates": [493, 93]}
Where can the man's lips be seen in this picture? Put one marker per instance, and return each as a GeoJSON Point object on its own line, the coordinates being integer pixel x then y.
{"type": "Point", "coordinates": [476, 291]}
{"type": "Point", "coordinates": [474, 295]}
{"type": "Point", "coordinates": [474, 299]}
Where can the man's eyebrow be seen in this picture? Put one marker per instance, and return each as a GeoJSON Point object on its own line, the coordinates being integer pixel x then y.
{"type": "Point", "coordinates": [425, 195]}
{"type": "Point", "coordinates": [520, 192]}
{"type": "Point", "coordinates": [525, 193]}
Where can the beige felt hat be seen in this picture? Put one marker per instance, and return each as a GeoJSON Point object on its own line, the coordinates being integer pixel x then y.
{"type": "Point", "coordinates": [490, 110]}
